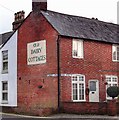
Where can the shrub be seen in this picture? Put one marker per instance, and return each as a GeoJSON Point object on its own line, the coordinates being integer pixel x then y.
{"type": "Point", "coordinates": [113, 91]}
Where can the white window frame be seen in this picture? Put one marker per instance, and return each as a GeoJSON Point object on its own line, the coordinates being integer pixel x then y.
{"type": "Point", "coordinates": [77, 46]}
{"type": "Point", "coordinates": [78, 82]}
{"type": "Point", "coordinates": [6, 92]}
{"type": "Point", "coordinates": [4, 61]}
{"type": "Point", "coordinates": [114, 51]}
{"type": "Point", "coordinates": [110, 83]}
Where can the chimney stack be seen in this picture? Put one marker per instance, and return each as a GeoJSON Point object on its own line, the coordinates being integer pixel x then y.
{"type": "Point", "coordinates": [38, 5]}
{"type": "Point", "coordinates": [18, 19]}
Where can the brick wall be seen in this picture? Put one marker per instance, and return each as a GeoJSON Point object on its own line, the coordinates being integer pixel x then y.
{"type": "Point", "coordinates": [31, 99]}
{"type": "Point", "coordinates": [97, 63]}
{"type": "Point", "coordinates": [99, 108]}
{"type": "Point", "coordinates": [84, 108]}
{"type": "Point", "coordinates": [118, 107]}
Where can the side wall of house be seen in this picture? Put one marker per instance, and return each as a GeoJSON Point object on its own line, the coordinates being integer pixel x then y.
{"type": "Point", "coordinates": [31, 98]}
{"type": "Point", "coordinates": [11, 76]}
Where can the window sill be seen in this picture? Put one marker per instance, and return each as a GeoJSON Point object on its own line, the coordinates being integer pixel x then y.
{"type": "Point", "coordinates": [78, 57]}
{"type": "Point", "coordinates": [5, 72]}
{"type": "Point", "coordinates": [78, 100]}
{"type": "Point", "coordinates": [4, 102]}
{"type": "Point", "coordinates": [115, 60]}
{"type": "Point", "coordinates": [110, 98]}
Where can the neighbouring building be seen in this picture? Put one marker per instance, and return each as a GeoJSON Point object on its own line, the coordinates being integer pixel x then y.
{"type": "Point", "coordinates": [56, 62]}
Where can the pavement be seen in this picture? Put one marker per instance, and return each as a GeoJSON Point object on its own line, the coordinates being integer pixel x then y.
{"type": "Point", "coordinates": [6, 116]}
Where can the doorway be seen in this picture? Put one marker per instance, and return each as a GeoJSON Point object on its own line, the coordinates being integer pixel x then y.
{"type": "Point", "coordinates": [93, 91]}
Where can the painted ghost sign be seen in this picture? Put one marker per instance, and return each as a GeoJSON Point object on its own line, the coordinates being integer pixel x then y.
{"type": "Point", "coordinates": [36, 52]}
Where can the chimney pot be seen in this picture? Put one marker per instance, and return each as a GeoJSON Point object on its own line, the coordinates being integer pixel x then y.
{"type": "Point", "coordinates": [18, 19]}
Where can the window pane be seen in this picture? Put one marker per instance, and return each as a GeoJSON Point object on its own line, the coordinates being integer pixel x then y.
{"type": "Point", "coordinates": [92, 86]}
{"type": "Point", "coordinates": [81, 78]}
{"type": "Point", "coordinates": [108, 79]}
{"type": "Point", "coordinates": [118, 55]}
{"type": "Point", "coordinates": [77, 48]}
{"type": "Point", "coordinates": [74, 78]}
{"type": "Point", "coordinates": [114, 52]}
{"type": "Point", "coordinates": [80, 48]}
{"type": "Point", "coordinates": [117, 52]}
{"type": "Point", "coordinates": [5, 65]}
{"type": "Point", "coordinates": [5, 86]}
{"type": "Point", "coordinates": [114, 55]}
{"type": "Point", "coordinates": [81, 91]}
{"type": "Point", "coordinates": [75, 96]}
{"type": "Point", "coordinates": [108, 85]}
{"type": "Point", "coordinates": [5, 96]}
{"type": "Point", "coordinates": [5, 55]}
{"type": "Point", "coordinates": [5, 60]}
{"type": "Point", "coordinates": [114, 85]}
{"type": "Point", "coordinates": [4, 91]}
{"type": "Point", "coordinates": [114, 79]}
{"type": "Point", "coordinates": [75, 53]}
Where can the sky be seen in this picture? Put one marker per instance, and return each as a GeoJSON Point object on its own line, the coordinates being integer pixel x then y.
{"type": "Point", "coordinates": [104, 10]}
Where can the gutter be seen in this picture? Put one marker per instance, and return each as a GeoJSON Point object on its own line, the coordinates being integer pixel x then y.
{"type": "Point", "coordinates": [58, 70]}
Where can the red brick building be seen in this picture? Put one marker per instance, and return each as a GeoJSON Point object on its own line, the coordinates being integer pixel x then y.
{"type": "Point", "coordinates": [65, 63]}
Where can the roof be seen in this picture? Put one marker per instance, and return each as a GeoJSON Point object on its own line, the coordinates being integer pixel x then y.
{"type": "Point", "coordinates": [81, 27]}
{"type": "Point", "coordinates": [4, 37]}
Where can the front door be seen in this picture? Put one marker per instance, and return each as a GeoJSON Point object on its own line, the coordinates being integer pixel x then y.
{"type": "Point", "coordinates": [93, 91]}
